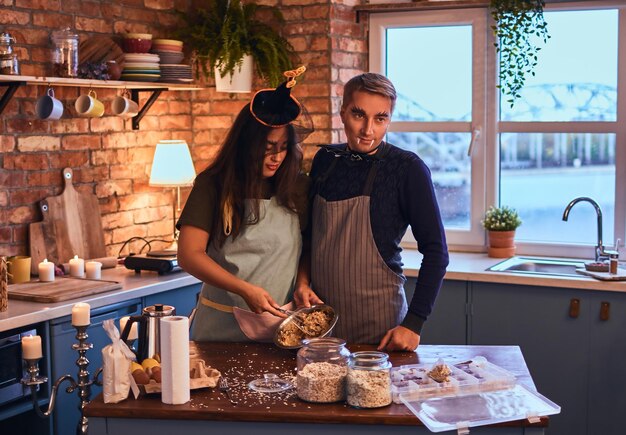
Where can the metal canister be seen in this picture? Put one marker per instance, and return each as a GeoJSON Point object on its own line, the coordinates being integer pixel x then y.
{"type": "Point", "coordinates": [149, 345]}
{"type": "Point", "coordinates": [6, 43]}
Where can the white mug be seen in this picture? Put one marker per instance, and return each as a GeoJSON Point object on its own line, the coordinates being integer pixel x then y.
{"type": "Point", "coordinates": [49, 107]}
{"type": "Point", "coordinates": [89, 105]}
{"type": "Point", "coordinates": [124, 107]}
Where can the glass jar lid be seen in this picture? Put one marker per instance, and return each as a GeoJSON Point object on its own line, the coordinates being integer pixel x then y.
{"type": "Point", "coordinates": [6, 39]}
{"type": "Point", "coordinates": [63, 35]}
{"type": "Point", "coordinates": [270, 383]}
{"type": "Point", "coordinates": [369, 360]}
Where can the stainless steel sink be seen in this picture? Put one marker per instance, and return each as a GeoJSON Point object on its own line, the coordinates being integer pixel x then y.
{"type": "Point", "coordinates": [539, 266]}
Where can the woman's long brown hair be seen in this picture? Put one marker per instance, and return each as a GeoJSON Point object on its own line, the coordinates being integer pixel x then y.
{"type": "Point", "coordinates": [238, 174]}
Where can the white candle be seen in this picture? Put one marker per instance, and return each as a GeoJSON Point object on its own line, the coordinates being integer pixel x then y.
{"type": "Point", "coordinates": [132, 335]}
{"type": "Point", "coordinates": [77, 267]}
{"type": "Point", "coordinates": [46, 271]}
{"type": "Point", "coordinates": [93, 269]}
{"type": "Point", "coordinates": [80, 314]}
{"type": "Point", "coordinates": [31, 347]}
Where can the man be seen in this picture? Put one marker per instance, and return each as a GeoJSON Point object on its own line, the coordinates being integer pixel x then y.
{"type": "Point", "coordinates": [365, 194]}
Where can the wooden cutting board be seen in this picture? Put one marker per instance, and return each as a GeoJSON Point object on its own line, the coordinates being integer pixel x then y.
{"type": "Point", "coordinates": [72, 225]}
{"type": "Point", "coordinates": [100, 49]}
{"type": "Point", "coordinates": [61, 289]}
{"type": "Point", "coordinates": [605, 276]}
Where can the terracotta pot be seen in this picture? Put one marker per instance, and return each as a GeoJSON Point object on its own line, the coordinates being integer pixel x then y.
{"type": "Point", "coordinates": [501, 244]}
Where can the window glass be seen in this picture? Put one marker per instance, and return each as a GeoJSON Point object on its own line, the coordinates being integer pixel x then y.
{"type": "Point", "coordinates": [446, 156]}
{"type": "Point", "coordinates": [434, 81]}
{"type": "Point", "coordinates": [576, 74]}
{"type": "Point", "coordinates": [541, 173]}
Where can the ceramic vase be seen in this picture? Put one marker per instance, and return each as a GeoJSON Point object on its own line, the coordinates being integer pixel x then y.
{"type": "Point", "coordinates": [240, 81]}
{"type": "Point", "coordinates": [501, 244]}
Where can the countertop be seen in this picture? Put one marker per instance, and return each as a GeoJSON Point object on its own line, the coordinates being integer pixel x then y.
{"type": "Point", "coordinates": [241, 363]}
{"type": "Point", "coordinates": [463, 267]}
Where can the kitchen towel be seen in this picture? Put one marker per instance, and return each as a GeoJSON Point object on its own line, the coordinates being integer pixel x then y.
{"type": "Point", "coordinates": [175, 360]}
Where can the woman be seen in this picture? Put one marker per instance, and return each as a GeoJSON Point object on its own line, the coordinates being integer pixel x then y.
{"type": "Point", "coordinates": [240, 230]}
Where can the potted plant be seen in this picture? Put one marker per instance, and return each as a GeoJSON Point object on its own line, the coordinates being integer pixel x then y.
{"type": "Point", "coordinates": [501, 223]}
{"type": "Point", "coordinates": [518, 26]}
{"type": "Point", "coordinates": [227, 37]}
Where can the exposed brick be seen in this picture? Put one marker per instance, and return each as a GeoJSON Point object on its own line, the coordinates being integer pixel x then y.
{"type": "Point", "coordinates": [50, 5]}
{"type": "Point", "coordinates": [107, 123]}
{"type": "Point", "coordinates": [113, 187]}
{"type": "Point", "coordinates": [48, 19]}
{"type": "Point", "coordinates": [38, 143]}
{"type": "Point", "coordinates": [5, 237]}
{"type": "Point", "coordinates": [69, 125]}
{"type": "Point", "coordinates": [315, 12]}
{"type": "Point", "coordinates": [7, 143]}
{"type": "Point", "coordinates": [17, 215]}
{"type": "Point", "coordinates": [204, 122]}
{"type": "Point", "coordinates": [4, 198]}
{"type": "Point", "coordinates": [20, 125]}
{"type": "Point", "coordinates": [27, 197]}
{"type": "Point", "coordinates": [81, 142]}
{"type": "Point", "coordinates": [150, 214]}
{"type": "Point", "coordinates": [117, 220]}
{"type": "Point", "coordinates": [93, 25]}
{"type": "Point", "coordinates": [69, 159]}
{"type": "Point", "coordinates": [159, 4]}
{"type": "Point", "coordinates": [14, 17]}
{"type": "Point", "coordinates": [109, 157]}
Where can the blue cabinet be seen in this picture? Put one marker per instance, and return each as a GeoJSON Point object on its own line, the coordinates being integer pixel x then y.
{"type": "Point", "coordinates": [183, 299]}
{"type": "Point", "coordinates": [63, 358]}
{"type": "Point", "coordinates": [447, 324]}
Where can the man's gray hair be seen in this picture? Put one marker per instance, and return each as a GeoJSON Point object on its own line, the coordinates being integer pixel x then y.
{"type": "Point", "coordinates": [369, 82]}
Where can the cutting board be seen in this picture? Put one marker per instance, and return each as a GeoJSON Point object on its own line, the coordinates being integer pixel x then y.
{"type": "Point", "coordinates": [61, 289]}
{"type": "Point", "coordinates": [71, 225]}
{"type": "Point", "coordinates": [605, 276]}
{"type": "Point", "coordinates": [100, 49]}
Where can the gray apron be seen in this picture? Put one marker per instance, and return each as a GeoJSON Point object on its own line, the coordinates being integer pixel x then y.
{"type": "Point", "coordinates": [265, 254]}
{"type": "Point", "coordinates": [347, 270]}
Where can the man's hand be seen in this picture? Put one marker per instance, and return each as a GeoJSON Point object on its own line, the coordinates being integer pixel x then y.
{"type": "Point", "coordinates": [399, 339]}
{"type": "Point", "coordinates": [304, 296]}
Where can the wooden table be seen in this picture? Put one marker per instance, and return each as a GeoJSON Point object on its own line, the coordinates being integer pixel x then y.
{"type": "Point", "coordinates": [209, 411]}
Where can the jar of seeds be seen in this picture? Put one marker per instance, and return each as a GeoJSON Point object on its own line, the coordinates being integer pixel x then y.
{"type": "Point", "coordinates": [322, 369]}
{"type": "Point", "coordinates": [368, 383]}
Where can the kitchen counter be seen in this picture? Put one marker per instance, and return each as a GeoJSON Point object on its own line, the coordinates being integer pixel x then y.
{"type": "Point", "coordinates": [134, 285]}
{"type": "Point", "coordinates": [463, 267]}
{"type": "Point", "coordinates": [210, 411]}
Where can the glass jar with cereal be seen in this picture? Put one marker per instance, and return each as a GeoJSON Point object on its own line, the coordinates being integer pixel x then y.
{"type": "Point", "coordinates": [368, 383]}
{"type": "Point", "coordinates": [322, 368]}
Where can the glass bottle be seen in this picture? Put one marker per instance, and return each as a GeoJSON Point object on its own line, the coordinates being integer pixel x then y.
{"type": "Point", "coordinates": [9, 63]}
{"type": "Point", "coordinates": [368, 383]}
{"type": "Point", "coordinates": [322, 368]}
{"type": "Point", "coordinates": [64, 55]}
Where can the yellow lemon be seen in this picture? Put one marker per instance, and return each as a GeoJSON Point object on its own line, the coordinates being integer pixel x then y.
{"type": "Point", "coordinates": [135, 366]}
{"type": "Point", "coordinates": [149, 363]}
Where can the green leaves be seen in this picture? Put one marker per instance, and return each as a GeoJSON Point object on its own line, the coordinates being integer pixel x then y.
{"type": "Point", "coordinates": [501, 219]}
{"type": "Point", "coordinates": [222, 32]}
{"type": "Point", "coordinates": [519, 25]}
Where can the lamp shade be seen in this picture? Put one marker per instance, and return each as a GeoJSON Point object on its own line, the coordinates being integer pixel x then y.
{"type": "Point", "coordinates": [172, 165]}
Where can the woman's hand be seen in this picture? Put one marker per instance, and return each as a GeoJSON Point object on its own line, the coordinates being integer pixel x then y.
{"type": "Point", "coordinates": [304, 296]}
{"type": "Point", "coordinates": [259, 300]}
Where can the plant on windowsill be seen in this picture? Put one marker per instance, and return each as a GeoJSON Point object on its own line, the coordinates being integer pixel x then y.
{"type": "Point", "coordinates": [501, 223]}
{"type": "Point", "coordinates": [519, 25]}
{"type": "Point", "coordinates": [227, 36]}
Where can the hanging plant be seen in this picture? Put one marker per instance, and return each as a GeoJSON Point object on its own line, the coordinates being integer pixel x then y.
{"type": "Point", "coordinates": [222, 32]}
{"type": "Point", "coordinates": [519, 25]}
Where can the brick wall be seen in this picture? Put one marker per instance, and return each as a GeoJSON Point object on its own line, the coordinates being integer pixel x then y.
{"type": "Point", "coordinates": [107, 156]}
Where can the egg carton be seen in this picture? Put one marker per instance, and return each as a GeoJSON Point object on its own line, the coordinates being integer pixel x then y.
{"type": "Point", "coordinates": [413, 381]}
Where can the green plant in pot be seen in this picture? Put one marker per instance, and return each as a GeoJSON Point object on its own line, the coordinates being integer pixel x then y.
{"type": "Point", "coordinates": [501, 223]}
{"type": "Point", "coordinates": [223, 33]}
{"type": "Point", "coordinates": [519, 27]}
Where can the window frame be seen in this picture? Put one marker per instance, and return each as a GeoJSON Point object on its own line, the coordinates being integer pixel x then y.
{"type": "Point", "coordinates": [485, 161]}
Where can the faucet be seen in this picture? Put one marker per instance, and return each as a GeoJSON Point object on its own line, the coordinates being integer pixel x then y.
{"type": "Point", "coordinates": [601, 254]}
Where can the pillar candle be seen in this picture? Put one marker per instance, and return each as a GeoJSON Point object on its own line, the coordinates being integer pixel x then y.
{"type": "Point", "coordinates": [46, 271]}
{"type": "Point", "coordinates": [31, 347]}
{"type": "Point", "coordinates": [132, 335]}
{"type": "Point", "coordinates": [80, 314]}
{"type": "Point", "coordinates": [77, 267]}
{"type": "Point", "coordinates": [93, 269]}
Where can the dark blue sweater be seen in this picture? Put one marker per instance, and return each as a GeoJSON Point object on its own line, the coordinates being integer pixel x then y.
{"type": "Point", "coordinates": [402, 195]}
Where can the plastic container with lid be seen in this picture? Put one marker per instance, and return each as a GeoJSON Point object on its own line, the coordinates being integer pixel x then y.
{"type": "Point", "coordinates": [368, 383]}
{"type": "Point", "coordinates": [322, 369]}
{"type": "Point", "coordinates": [64, 54]}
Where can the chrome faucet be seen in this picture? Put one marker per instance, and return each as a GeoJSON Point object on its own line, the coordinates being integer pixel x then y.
{"type": "Point", "coordinates": [601, 254]}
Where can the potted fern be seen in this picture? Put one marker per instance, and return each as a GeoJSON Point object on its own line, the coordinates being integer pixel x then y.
{"type": "Point", "coordinates": [501, 223]}
{"type": "Point", "coordinates": [518, 27]}
{"type": "Point", "coordinates": [228, 37]}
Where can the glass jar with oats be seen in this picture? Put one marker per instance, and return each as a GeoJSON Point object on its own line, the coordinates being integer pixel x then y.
{"type": "Point", "coordinates": [368, 382]}
{"type": "Point", "coordinates": [322, 369]}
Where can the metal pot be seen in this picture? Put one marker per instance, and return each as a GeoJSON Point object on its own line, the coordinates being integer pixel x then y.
{"type": "Point", "coordinates": [149, 345]}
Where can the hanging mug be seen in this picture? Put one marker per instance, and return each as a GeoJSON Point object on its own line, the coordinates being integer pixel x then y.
{"type": "Point", "coordinates": [124, 106]}
{"type": "Point", "coordinates": [48, 107]}
{"type": "Point", "coordinates": [89, 105]}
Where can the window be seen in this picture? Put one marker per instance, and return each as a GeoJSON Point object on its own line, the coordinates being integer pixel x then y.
{"type": "Point", "coordinates": [562, 139]}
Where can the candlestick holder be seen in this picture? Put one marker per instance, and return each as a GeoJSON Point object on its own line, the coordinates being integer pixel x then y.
{"type": "Point", "coordinates": [82, 384]}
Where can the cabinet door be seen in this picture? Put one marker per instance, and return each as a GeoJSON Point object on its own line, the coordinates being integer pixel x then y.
{"type": "Point", "coordinates": [555, 345]}
{"type": "Point", "coordinates": [63, 358]}
{"type": "Point", "coordinates": [447, 324]}
{"type": "Point", "coordinates": [183, 299]}
{"type": "Point", "coordinates": [607, 361]}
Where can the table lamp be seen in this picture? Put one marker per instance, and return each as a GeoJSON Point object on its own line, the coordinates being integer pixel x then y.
{"type": "Point", "coordinates": [172, 167]}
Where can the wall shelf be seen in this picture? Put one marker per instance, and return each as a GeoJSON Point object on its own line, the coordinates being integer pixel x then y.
{"type": "Point", "coordinates": [13, 82]}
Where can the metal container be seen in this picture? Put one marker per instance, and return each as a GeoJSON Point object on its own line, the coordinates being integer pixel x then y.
{"type": "Point", "coordinates": [149, 330]}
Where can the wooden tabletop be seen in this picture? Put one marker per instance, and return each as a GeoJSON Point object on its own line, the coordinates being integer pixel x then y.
{"type": "Point", "coordinates": [244, 362]}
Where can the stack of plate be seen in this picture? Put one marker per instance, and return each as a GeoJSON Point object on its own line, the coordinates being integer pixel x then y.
{"type": "Point", "coordinates": [176, 73]}
{"type": "Point", "coordinates": [142, 67]}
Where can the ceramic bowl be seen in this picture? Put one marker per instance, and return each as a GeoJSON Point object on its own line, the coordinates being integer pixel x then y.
{"type": "Point", "coordinates": [135, 45]}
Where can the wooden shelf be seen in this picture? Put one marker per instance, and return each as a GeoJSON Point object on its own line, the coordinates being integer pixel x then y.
{"type": "Point", "coordinates": [418, 5]}
{"type": "Point", "coordinates": [13, 82]}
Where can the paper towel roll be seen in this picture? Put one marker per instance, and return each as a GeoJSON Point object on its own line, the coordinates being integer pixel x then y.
{"type": "Point", "coordinates": [175, 360]}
